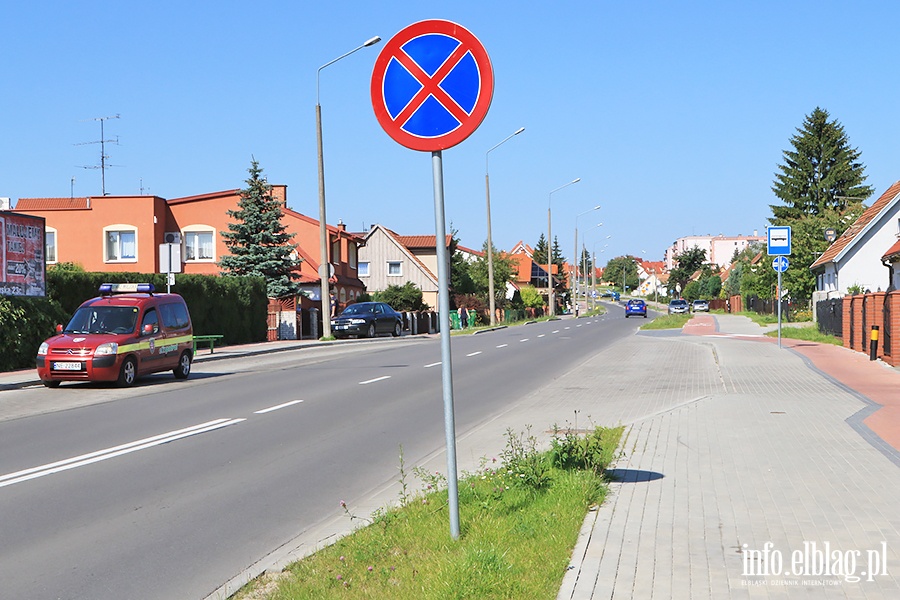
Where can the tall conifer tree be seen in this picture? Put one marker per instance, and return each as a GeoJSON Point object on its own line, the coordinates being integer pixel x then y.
{"type": "Point", "coordinates": [821, 173]}
{"type": "Point", "coordinates": [258, 241]}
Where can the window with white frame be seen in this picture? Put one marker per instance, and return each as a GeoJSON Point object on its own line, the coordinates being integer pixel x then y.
{"type": "Point", "coordinates": [50, 244]}
{"type": "Point", "coordinates": [394, 268]}
{"type": "Point", "coordinates": [362, 269]}
{"type": "Point", "coordinates": [120, 243]}
{"type": "Point", "coordinates": [198, 246]}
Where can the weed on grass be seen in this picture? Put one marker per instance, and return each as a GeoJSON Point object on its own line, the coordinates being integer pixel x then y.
{"type": "Point", "coordinates": [520, 516]}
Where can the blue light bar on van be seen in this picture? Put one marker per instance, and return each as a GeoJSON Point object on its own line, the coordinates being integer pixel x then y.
{"type": "Point", "coordinates": [126, 288]}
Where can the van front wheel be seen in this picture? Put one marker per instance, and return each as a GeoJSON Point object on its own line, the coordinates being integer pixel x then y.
{"type": "Point", "coordinates": [184, 366]}
{"type": "Point", "coordinates": [128, 373]}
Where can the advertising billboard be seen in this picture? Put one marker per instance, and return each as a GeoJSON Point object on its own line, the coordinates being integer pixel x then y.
{"type": "Point", "coordinates": [24, 268]}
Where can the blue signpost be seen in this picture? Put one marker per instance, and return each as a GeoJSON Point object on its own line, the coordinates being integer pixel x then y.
{"type": "Point", "coordinates": [431, 87]}
{"type": "Point", "coordinates": [778, 244]}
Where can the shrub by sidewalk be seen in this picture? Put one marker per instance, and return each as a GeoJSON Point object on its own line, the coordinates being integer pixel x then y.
{"type": "Point", "coordinates": [520, 516]}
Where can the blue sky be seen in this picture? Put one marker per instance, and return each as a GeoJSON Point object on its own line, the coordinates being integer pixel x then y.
{"type": "Point", "coordinates": [673, 114]}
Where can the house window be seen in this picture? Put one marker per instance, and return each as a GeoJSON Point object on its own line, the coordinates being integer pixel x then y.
{"type": "Point", "coordinates": [50, 245]}
{"type": "Point", "coordinates": [394, 269]}
{"type": "Point", "coordinates": [121, 244]}
{"type": "Point", "coordinates": [352, 254]}
{"type": "Point", "coordinates": [198, 245]}
{"type": "Point", "coordinates": [363, 269]}
{"type": "Point", "coordinates": [336, 251]}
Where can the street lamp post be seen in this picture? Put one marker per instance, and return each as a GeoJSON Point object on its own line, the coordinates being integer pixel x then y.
{"type": "Point", "coordinates": [574, 260]}
{"type": "Point", "coordinates": [324, 261]}
{"type": "Point", "coordinates": [490, 245]}
{"type": "Point", "coordinates": [552, 308]}
{"type": "Point", "coordinates": [583, 258]}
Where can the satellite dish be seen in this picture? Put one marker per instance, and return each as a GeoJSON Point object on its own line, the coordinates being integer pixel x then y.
{"type": "Point", "coordinates": [830, 235]}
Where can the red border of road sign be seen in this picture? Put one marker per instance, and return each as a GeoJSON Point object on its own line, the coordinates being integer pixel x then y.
{"type": "Point", "coordinates": [393, 47]}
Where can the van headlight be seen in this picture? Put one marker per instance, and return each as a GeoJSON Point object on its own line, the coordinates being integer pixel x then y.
{"type": "Point", "coordinates": [43, 349]}
{"type": "Point", "coordinates": [107, 349]}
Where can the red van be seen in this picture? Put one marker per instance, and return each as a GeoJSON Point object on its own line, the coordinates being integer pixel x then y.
{"type": "Point", "coordinates": [126, 332]}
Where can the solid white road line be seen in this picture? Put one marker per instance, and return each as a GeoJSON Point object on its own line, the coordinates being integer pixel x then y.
{"type": "Point", "coordinates": [100, 455]}
{"type": "Point", "coordinates": [271, 408]}
{"type": "Point", "coordinates": [382, 378]}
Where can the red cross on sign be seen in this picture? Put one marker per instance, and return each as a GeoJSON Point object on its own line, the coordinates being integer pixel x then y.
{"type": "Point", "coordinates": [432, 85]}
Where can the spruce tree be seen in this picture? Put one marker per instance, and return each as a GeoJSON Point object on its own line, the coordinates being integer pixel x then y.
{"type": "Point", "coordinates": [258, 241]}
{"type": "Point", "coordinates": [821, 173]}
{"type": "Point", "coordinates": [821, 186]}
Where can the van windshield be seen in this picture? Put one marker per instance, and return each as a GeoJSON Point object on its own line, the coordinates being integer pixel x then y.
{"type": "Point", "coordinates": [103, 319]}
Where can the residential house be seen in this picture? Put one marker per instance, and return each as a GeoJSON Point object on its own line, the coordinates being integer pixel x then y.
{"type": "Point", "coordinates": [653, 277]}
{"type": "Point", "coordinates": [390, 259]}
{"type": "Point", "coordinates": [124, 233]}
{"type": "Point", "coordinates": [866, 254]}
{"type": "Point", "coordinates": [528, 272]}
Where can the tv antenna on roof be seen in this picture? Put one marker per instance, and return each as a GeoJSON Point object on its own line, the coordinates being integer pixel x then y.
{"type": "Point", "coordinates": [103, 157]}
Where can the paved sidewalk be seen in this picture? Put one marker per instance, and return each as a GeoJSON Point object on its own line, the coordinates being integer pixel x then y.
{"type": "Point", "coordinates": [762, 464]}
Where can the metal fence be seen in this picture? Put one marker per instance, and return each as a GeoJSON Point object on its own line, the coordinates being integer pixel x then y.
{"type": "Point", "coordinates": [830, 316]}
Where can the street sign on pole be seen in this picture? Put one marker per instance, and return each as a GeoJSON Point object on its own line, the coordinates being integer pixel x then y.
{"type": "Point", "coordinates": [432, 85]}
{"type": "Point", "coordinates": [779, 241]}
{"type": "Point", "coordinates": [780, 264]}
{"type": "Point", "coordinates": [431, 88]}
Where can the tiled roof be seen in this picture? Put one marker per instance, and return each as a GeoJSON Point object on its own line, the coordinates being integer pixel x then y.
{"type": "Point", "coordinates": [52, 204]}
{"type": "Point", "coordinates": [467, 250]}
{"type": "Point", "coordinates": [420, 241]}
{"type": "Point", "coordinates": [859, 225]}
{"type": "Point", "coordinates": [892, 251]}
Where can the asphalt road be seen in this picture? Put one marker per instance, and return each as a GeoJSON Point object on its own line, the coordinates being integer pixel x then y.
{"type": "Point", "coordinates": [169, 489]}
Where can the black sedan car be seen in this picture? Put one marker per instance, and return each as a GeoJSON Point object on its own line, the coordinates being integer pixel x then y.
{"type": "Point", "coordinates": [367, 319]}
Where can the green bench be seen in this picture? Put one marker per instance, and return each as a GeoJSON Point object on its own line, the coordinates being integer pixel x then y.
{"type": "Point", "coordinates": [210, 339]}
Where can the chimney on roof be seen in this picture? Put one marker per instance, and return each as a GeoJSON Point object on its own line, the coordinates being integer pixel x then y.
{"type": "Point", "coordinates": [4, 203]}
{"type": "Point", "coordinates": [341, 225]}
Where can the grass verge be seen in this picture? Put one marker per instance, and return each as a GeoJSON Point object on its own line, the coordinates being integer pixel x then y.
{"type": "Point", "coordinates": [519, 518]}
{"type": "Point", "coordinates": [809, 333]}
{"type": "Point", "coordinates": [667, 322]}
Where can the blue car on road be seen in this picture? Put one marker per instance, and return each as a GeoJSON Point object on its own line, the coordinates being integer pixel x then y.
{"type": "Point", "coordinates": [636, 308]}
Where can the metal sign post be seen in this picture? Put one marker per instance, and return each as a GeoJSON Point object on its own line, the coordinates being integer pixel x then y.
{"type": "Point", "coordinates": [780, 264]}
{"type": "Point", "coordinates": [431, 87]}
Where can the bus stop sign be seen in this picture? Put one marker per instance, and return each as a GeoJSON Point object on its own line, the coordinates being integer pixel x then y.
{"type": "Point", "coordinates": [432, 85]}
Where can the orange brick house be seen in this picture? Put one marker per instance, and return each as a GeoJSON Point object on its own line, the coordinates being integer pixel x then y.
{"type": "Point", "coordinates": [124, 233]}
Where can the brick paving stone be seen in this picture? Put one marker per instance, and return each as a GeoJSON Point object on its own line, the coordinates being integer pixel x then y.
{"type": "Point", "coordinates": [751, 445]}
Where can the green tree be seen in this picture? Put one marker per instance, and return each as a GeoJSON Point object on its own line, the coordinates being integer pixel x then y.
{"type": "Point", "coordinates": [821, 173]}
{"type": "Point", "coordinates": [406, 297]}
{"type": "Point", "coordinates": [258, 241]}
{"type": "Point", "coordinates": [622, 269]}
{"type": "Point", "coordinates": [820, 185]}
{"type": "Point", "coordinates": [689, 262]}
{"type": "Point", "coordinates": [710, 286]}
{"type": "Point", "coordinates": [531, 298]}
{"type": "Point", "coordinates": [539, 255]}
{"type": "Point", "coordinates": [460, 269]}
{"type": "Point", "coordinates": [504, 272]}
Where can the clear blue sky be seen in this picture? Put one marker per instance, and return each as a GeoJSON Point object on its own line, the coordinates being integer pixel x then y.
{"type": "Point", "coordinates": [673, 114]}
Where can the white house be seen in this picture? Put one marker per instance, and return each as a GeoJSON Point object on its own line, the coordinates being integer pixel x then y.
{"type": "Point", "coordinates": [857, 257]}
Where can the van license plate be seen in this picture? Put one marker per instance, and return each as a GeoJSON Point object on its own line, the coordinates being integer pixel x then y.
{"type": "Point", "coordinates": [67, 366]}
